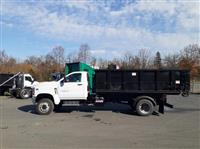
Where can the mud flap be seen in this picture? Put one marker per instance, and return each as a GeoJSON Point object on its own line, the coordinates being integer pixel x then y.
{"type": "Point", "coordinates": [162, 103]}
{"type": "Point", "coordinates": [169, 105]}
{"type": "Point", "coordinates": [161, 106]}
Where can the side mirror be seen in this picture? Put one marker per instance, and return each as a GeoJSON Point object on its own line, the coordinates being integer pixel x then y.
{"type": "Point", "coordinates": [62, 82]}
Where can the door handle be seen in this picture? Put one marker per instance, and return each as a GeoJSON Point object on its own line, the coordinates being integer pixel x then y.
{"type": "Point", "coordinates": [79, 84]}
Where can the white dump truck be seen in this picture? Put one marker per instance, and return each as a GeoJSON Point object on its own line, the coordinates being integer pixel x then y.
{"type": "Point", "coordinates": [144, 90]}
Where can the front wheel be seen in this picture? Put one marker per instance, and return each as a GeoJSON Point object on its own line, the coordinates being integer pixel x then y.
{"type": "Point", "coordinates": [44, 106]}
{"type": "Point", "coordinates": [144, 107]}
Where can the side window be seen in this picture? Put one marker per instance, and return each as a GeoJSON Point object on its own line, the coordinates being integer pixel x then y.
{"type": "Point", "coordinates": [28, 79]}
{"type": "Point", "coordinates": [74, 78]}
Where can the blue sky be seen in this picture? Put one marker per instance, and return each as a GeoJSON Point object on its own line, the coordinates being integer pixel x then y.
{"type": "Point", "coordinates": [111, 28]}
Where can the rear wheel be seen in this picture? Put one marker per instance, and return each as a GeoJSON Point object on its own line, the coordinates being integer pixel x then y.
{"type": "Point", "coordinates": [44, 107]}
{"type": "Point", "coordinates": [144, 107]}
{"type": "Point", "coordinates": [25, 93]}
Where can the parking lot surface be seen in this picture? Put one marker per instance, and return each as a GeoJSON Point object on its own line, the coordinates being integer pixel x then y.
{"type": "Point", "coordinates": [113, 126]}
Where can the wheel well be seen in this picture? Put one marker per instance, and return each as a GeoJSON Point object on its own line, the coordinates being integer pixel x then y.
{"type": "Point", "coordinates": [40, 96]}
{"type": "Point", "coordinates": [137, 99]}
{"type": "Point", "coordinates": [27, 88]}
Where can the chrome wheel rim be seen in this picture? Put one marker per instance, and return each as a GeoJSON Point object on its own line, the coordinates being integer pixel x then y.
{"type": "Point", "coordinates": [44, 107]}
{"type": "Point", "coordinates": [25, 94]}
{"type": "Point", "coordinates": [144, 108]}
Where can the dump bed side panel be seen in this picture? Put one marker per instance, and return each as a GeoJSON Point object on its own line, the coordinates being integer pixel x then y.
{"type": "Point", "coordinates": [4, 77]}
{"type": "Point", "coordinates": [147, 80]}
{"type": "Point", "coordinates": [6, 86]}
{"type": "Point", "coordinates": [141, 81]}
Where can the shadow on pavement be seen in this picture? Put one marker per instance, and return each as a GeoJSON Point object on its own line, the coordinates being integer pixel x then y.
{"type": "Point", "coordinates": [114, 107]}
{"type": "Point", "coordinates": [27, 108]}
{"type": "Point", "coordinates": [117, 108]}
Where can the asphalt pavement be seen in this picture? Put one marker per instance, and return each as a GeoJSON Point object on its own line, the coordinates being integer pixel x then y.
{"type": "Point", "coordinates": [113, 126]}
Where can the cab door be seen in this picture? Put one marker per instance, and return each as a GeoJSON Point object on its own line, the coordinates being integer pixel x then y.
{"type": "Point", "coordinates": [73, 87]}
{"type": "Point", "coordinates": [28, 80]}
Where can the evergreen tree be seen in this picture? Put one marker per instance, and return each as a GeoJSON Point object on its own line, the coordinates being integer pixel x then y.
{"type": "Point", "coordinates": [157, 61]}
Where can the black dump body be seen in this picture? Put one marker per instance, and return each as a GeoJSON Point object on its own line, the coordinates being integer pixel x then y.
{"type": "Point", "coordinates": [4, 77]}
{"type": "Point", "coordinates": [142, 81]}
{"type": "Point", "coordinates": [6, 86]}
{"type": "Point", "coordinates": [17, 82]}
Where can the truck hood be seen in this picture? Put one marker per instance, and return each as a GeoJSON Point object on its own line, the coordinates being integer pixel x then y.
{"type": "Point", "coordinates": [35, 83]}
{"type": "Point", "coordinates": [46, 88]}
{"type": "Point", "coordinates": [50, 84]}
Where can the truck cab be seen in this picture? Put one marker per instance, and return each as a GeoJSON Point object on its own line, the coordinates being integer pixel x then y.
{"type": "Point", "coordinates": [22, 86]}
{"type": "Point", "coordinates": [74, 86]}
{"type": "Point", "coordinates": [48, 95]}
{"type": "Point", "coordinates": [28, 80]}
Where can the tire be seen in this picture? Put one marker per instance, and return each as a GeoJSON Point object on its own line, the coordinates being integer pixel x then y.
{"type": "Point", "coordinates": [25, 93]}
{"type": "Point", "coordinates": [144, 107]}
{"type": "Point", "coordinates": [44, 107]}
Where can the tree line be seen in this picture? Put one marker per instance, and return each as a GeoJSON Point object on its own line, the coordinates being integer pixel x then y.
{"type": "Point", "coordinates": [41, 67]}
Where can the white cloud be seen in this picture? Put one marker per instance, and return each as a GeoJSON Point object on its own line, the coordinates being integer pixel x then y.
{"type": "Point", "coordinates": [189, 16]}
{"type": "Point", "coordinates": [163, 6]}
{"type": "Point", "coordinates": [4, 23]}
{"type": "Point", "coordinates": [98, 52]}
{"type": "Point", "coordinates": [110, 31]}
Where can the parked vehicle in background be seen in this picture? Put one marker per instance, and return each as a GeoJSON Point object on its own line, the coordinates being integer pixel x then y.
{"type": "Point", "coordinates": [19, 85]}
{"type": "Point", "coordinates": [144, 90]}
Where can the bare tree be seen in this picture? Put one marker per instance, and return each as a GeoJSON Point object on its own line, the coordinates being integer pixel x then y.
{"type": "Point", "coordinates": [58, 54]}
{"type": "Point", "coordinates": [191, 53]}
{"type": "Point", "coordinates": [3, 57]}
{"type": "Point", "coordinates": [84, 54]}
{"type": "Point", "coordinates": [190, 59]}
{"type": "Point", "coordinates": [93, 61]}
{"type": "Point", "coordinates": [171, 61]}
{"type": "Point", "coordinates": [102, 63]}
{"type": "Point", "coordinates": [127, 60]}
{"type": "Point", "coordinates": [144, 58]}
{"type": "Point", "coordinates": [140, 61]}
{"type": "Point", "coordinates": [33, 60]}
{"type": "Point", "coordinates": [71, 57]}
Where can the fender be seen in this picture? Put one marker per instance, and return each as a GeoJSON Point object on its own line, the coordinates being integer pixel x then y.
{"type": "Point", "coordinates": [143, 97]}
{"type": "Point", "coordinates": [55, 98]}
